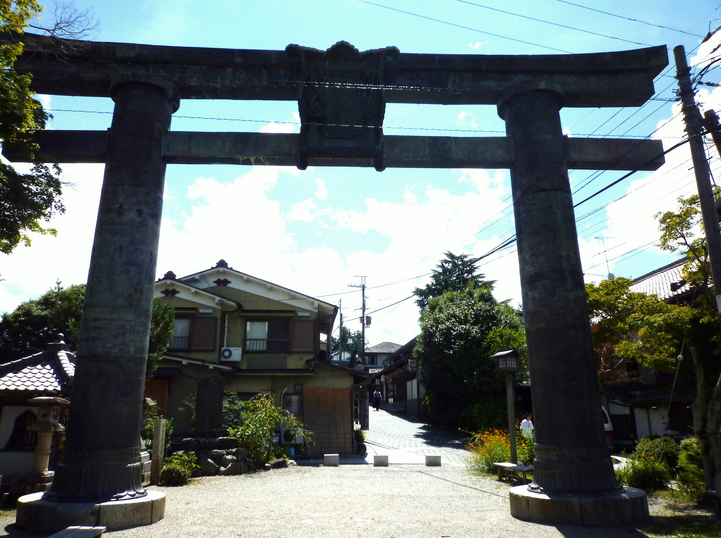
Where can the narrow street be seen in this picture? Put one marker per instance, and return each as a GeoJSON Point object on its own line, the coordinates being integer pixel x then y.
{"type": "Point", "coordinates": [407, 440]}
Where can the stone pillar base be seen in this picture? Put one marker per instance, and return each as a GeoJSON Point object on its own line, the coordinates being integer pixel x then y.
{"type": "Point", "coordinates": [629, 507]}
{"type": "Point", "coordinates": [38, 515]}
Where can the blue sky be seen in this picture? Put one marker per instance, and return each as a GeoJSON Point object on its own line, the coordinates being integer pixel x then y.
{"type": "Point", "coordinates": [315, 230]}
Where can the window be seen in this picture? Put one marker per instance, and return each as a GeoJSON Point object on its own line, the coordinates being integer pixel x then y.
{"type": "Point", "coordinates": [267, 336]}
{"type": "Point", "coordinates": [181, 334]}
{"type": "Point", "coordinates": [194, 333]}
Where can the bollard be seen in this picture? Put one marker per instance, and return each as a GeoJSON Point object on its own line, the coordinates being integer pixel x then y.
{"type": "Point", "coordinates": [433, 460]}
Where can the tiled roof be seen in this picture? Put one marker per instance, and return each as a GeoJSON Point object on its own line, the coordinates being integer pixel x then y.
{"type": "Point", "coordinates": [51, 370]}
{"type": "Point", "coordinates": [664, 282]}
{"type": "Point", "coordinates": [384, 347]}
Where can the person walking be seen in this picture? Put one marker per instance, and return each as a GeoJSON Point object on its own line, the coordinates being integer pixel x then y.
{"type": "Point", "coordinates": [377, 399]}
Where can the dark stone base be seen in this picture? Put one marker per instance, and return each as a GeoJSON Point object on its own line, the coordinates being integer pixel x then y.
{"type": "Point", "coordinates": [629, 507]}
{"type": "Point", "coordinates": [38, 515]}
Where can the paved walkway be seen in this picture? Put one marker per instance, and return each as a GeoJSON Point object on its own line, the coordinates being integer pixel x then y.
{"type": "Point", "coordinates": [407, 440]}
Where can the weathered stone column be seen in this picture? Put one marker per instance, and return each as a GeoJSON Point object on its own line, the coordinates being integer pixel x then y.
{"type": "Point", "coordinates": [100, 460]}
{"type": "Point", "coordinates": [571, 452]}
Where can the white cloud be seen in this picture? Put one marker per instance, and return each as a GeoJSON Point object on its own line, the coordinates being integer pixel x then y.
{"type": "Point", "coordinates": [274, 127]}
{"type": "Point", "coordinates": [236, 221]}
{"type": "Point", "coordinates": [631, 219]}
{"type": "Point", "coordinates": [29, 272]}
{"type": "Point", "coordinates": [466, 119]}
{"type": "Point", "coordinates": [409, 197]}
{"type": "Point", "coordinates": [321, 192]}
{"type": "Point", "coordinates": [302, 211]}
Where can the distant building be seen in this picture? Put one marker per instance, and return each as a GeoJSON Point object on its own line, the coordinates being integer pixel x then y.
{"type": "Point", "coordinates": [376, 357]}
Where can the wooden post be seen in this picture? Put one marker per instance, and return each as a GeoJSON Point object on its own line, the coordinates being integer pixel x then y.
{"type": "Point", "coordinates": [158, 450]}
{"type": "Point", "coordinates": [511, 416]}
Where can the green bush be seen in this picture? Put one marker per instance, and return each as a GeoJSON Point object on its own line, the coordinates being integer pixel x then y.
{"type": "Point", "coordinates": [690, 476]}
{"type": "Point", "coordinates": [642, 472]}
{"type": "Point", "coordinates": [177, 469]}
{"type": "Point", "coordinates": [662, 449]}
{"type": "Point", "coordinates": [258, 418]}
{"type": "Point", "coordinates": [526, 448]}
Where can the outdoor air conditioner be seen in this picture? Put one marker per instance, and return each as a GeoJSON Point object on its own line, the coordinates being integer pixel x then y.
{"type": "Point", "coordinates": [291, 436]}
{"type": "Point", "coordinates": [231, 354]}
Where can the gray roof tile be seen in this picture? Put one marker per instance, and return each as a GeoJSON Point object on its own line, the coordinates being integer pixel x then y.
{"type": "Point", "coordinates": [51, 370]}
{"type": "Point", "coordinates": [659, 281]}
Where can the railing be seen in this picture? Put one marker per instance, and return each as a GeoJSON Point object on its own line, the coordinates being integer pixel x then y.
{"type": "Point", "coordinates": [179, 342]}
{"type": "Point", "coordinates": [267, 345]}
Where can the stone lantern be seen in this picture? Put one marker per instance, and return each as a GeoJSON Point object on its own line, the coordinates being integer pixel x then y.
{"type": "Point", "coordinates": [47, 423]}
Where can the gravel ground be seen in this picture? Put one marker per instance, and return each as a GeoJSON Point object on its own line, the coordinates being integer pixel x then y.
{"type": "Point", "coordinates": [347, 501]}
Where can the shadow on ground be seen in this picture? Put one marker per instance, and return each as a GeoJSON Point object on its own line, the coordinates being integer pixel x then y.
{"type": "Point", "coordinates": [440, 438]}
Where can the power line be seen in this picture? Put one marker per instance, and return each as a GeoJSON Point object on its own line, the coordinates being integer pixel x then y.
{"type": "Point", "coordinates": [463, 27]}
{"type": "Point", "coordinates": [553, 23]}
{"type": "Point", "coordinates": [628, 18]}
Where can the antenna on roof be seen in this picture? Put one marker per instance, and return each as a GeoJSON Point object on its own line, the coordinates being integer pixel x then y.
{"type": "Point", "coordinates": [603, 242]}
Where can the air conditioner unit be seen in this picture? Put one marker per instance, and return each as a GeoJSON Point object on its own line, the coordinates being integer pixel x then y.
{"type": "Point", "coordinates": [231, 354]}
{"type": "Point", "coordinates": [291, 436]}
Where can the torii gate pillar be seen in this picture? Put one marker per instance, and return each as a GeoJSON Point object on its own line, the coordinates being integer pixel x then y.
{"type": "Point", "coordinates": [574, 481]}
{"type": "Point", "coordinates": [97, 481]}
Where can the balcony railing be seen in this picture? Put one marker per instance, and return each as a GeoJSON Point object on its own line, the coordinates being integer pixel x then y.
{"type": "Point", "coordinates": [179, 342]}
{"type": "Point", "coordinates": [266, 345]}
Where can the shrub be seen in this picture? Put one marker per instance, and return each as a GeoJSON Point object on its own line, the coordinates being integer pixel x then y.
{"type": "Point", "coordinates": [258, 419]}
{"type": "Point", "coordinates": [663, 449]}
{"type": "Point", "coordinates": [690, 476]}
{"type": "Point", "coordinates": [642, 472]}
{"type": "Point", "coordinates": [177, 469]}
{"type": "Point", "coordinates": [488, 447]}
{"type": "Point", "coordinates": [526, 447]}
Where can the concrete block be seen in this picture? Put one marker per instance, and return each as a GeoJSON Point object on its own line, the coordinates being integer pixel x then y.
{"type": "Point", "coordinates": [380, 460]}
{"type": "Point", "coordinates": [331, 460]}
{"type": "Point", "coordinates": [433, 460]}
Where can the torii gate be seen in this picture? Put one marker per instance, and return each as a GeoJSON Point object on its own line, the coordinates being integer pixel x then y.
{"type": "Point", "coordinates": [342, 94]}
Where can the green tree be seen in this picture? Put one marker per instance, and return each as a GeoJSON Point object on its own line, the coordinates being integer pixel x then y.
{"type": "Point", "coordinates": [635, 326]}
{"type": "Point", "coordinates": [681, 233]}
{"type": "Point", "coordinates": [632, 326]}
{"type": "Point", "coordinates": [460, 330]}
{"type": "Point", "coordinates": [26, 199]}
{"type": "Point", "coordinates": [33, 324]}
{"type": "Point", "coordinates": [453, 273]}
{"type": "Point", "coordinates": [355, 339]}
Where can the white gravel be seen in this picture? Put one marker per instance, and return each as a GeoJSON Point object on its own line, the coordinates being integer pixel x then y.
{"type": "Point", "coordinates": [350, 501]}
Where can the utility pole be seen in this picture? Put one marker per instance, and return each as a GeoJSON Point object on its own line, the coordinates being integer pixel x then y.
{"type": "Point", "coordinates": [340, 337]}
{"type": "Point", "coordinates": [362, 286]}
{"type": "Point", "coordinates": [693, 120]}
